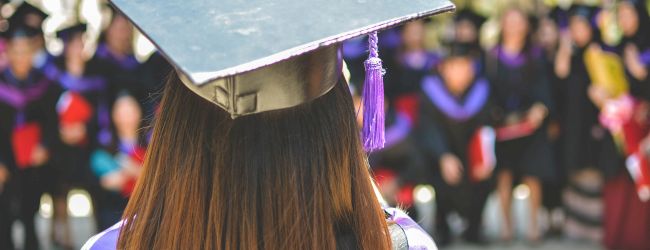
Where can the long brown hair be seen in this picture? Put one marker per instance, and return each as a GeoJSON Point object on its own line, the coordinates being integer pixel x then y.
{"type": "Point", "coordinates": [287, 179]}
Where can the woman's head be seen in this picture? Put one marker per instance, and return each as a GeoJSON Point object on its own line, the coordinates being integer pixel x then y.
{"type": "Point", "coordinates": [119, 34]}
{"type": "Point", "coordinates": [286, 179]}
{"type": "Point", "coordinates": [127, 115]}
{"type": "Point", "coordinates": [20, 52]}
{"type": "Point", "coordinates": [628, 18]}
{"type": "Point", "coordinates": [581, 30]}
{"type": "Point", "coordinates": [413, 35]}
{"type": "Point", "coordinates": [515, 25]}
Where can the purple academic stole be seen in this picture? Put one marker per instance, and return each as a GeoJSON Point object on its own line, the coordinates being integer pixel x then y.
{"type": "Point", "coordinates": [438, 94]}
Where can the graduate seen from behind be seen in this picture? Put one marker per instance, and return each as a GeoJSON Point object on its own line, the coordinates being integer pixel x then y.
{"type": "Point", "coordinates": [256, 144]}
{"type": "Point", "coordinates": [454, 135]}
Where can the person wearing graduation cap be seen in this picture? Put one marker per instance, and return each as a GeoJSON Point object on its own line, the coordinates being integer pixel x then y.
{"type": "Point", "coordinates": [84, 125]}
{"type": "Point", "coordinates": [256, 144]}
{"type": "Point", "coordinates": [33, 17]}
{"type": "Point", "coordinates": [29, 125]}
{"type": "Point", "coordinates": [454, 112]}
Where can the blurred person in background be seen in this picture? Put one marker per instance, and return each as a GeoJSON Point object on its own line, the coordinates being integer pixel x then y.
{"type": "Point", "coordinates": [454, 110]}
{"type": "Point", "coordinates": [33, 17]}
{"type": "Point", "coordinates": [116, 59]}
{"type": "Point", "coordinates": [84, 125]}
{"type": "Point", "coordinates": [627, 208]}
{"type": "Point", "coordinates": [414, 61]}
{"type": "Point", "coordinates": [588, 147]}
{"type": "Point", "coordinates": [28, 127]}
{"type": "Point", "coordinates": [521, 92]}
{"type": "Point", "coordinates": [118, 165]}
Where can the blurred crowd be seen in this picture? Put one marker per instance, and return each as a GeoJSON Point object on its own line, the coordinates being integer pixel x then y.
{"type": "Point", "coordinates": [74, 120]}
{"type": "Point", "coordinates": [551, 94]}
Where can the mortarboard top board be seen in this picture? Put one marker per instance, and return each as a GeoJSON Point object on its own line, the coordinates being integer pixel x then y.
{"type": "Point", "coordinates": [18, 29]}
{"type": "Point", "coordinates": [68, 32]}
{"type": "Point", "coordinates": [228, 43]}
{"type": "Point", "coordinates": [30, 15]}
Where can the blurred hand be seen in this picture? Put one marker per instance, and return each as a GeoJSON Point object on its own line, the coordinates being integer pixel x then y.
{"type": "Point", "coordinates": [73, 134]}
{"type": "Point", "coordinates": [633, 62]}
{"type": "Point", "coordinates": [451, 169]}
{"type": "Point", "coordinates": [130, 167]}
{"type": "Point", "coordinates": [483, 172]}
{"type": "Point", "coordinates": [597, 94]}
{"type": "Point", "coordinates": [563, 56]}
{"type": "Point", "coordinates": [113, 181]}
{"type": "Point", "coordinates": [39, 156]}
{"type": "Point", "coordinates": [4, 176]}
{"type": "Point", "coordinates": [536, 114]}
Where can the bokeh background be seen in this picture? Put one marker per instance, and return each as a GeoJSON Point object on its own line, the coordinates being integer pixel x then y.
{"type": "Point", "coordinates": [511, 124]}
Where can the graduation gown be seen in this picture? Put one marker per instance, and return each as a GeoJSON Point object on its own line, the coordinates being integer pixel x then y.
{"type": "Point", "coordinates": [25, 105]}
{"type": "Point", "coordinates": [587, 143]}
{"type": "Point", "coordinates": [518, 82]}
{"type": "Point", "coordinates": [121, 73]}
{"type": "Point", "coordinates": [72, 162]}
{"type": "Point", "coordinates": [446, 126]}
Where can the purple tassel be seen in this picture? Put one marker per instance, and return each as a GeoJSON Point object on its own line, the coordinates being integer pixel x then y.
{"type": "Point", "coordinates": [373, 99]}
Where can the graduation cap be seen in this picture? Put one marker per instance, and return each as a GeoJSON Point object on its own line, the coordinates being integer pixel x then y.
{"type": "Point", "coordinates": [69, 32]}
{"type": "Point", "coordinates": [19, 29]}
{"type": "Point", "coordinates": [254, 56]}
{"type": "Point", "coordinates": [471, 16]}
{"type": "Point", "coordinates": [30, 15]}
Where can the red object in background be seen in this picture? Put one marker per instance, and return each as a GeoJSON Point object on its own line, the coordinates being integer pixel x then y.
{"type": "Point", "coordinates": [73, 108]}
{"type": "Point", "coordinates": [405, 196]}
{"type": "Point", "coordinates": [25, 139]}
{"type": "Point", "coordinates": [626, 219]}
{"type": "Point", "coordinates": [514, 131]}
{"type": "Point", "coordinates": [137, 156]}
{"type": "Point", "coordinates": [637, 166]}
{"type": "Point", "coordinates": [409, 105]}
{"type": "Point", "coordinates": [481, 152]}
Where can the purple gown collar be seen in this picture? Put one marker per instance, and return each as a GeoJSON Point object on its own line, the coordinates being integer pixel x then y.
{"type": "Point", "coordinates": [18, 96]}
{"type": "Point", "coordinates": [128, 62]}
{"type": "Point", "coordinates": [409, 60]}
{"type": "Point", "coordinates": [438, 94]}
{"type": "Point", "coordinates": [398, 131]}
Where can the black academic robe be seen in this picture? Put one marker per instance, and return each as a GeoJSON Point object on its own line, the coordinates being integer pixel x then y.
{"type": "Point", "coordinates": [587, 143]}
{"type": "Point", "coordinates": [71, 162]}
{"type": "Point", "coordinates": [444, 130]}
{"type": "Point", "coordinates": [121, 73]}
{"type": "Point", "coordinates": [518, 82]}
{"type": "Point", "coordinates": [24, 189]}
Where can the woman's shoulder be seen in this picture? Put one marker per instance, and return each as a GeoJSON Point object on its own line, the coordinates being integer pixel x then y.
{"type": "Point", "coordinates": [106, 240]}
{"type": "Point", "coordinates": [406, 233]}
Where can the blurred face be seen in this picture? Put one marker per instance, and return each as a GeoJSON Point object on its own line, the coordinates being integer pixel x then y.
{"type": "Point", "coordinates": [20, 53]}
{"type": "Point", "coordinates": [466, 32]}
{"type": "Point", "coordinates": [119, 35]}
{"type": "Point", "coordinates": [458, 73]}
{"type": "Point", "coordinates": [127, 115]}
{"type": "Point", "coordinates": [413, 35]}
{"type": "Point", "coordinates": [548, 34]}
{"type": "Point", "coordinates": [581, 32]}
{"type": "Point", "coordinates": [628, 19]}
{"type": "Point", "coordinates": [514, 25]}
{"type": "Point", "coordinates": [75, 46]}
{"type": "Point", "coordinates": [73, 134]}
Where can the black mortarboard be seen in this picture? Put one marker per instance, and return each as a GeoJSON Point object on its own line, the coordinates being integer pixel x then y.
{"type": "Point", "coordinates": [471, 16]}
{"type": "Point", "coordinates": [254, 56]}
{"type": "Point", "coordinates": [216, 42]}
{"type": "Point", "coordinates": [67, 33]}
{"type": "Point", "coordinates": [18, 29]}
{"type": "Point", "coordinates": [29, 15]}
